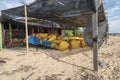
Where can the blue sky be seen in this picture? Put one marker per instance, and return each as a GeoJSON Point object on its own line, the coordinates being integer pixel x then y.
{"type": "Point", "coordinates": [112, 9]}
{"type": "Point", "coordinates": [113, 12]}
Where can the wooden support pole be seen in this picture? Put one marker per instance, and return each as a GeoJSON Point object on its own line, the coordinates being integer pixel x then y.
{"type": "Point", "coordinates": [38, 29]}
{"type": "Point", "coordinates": [32, 30]}
{"type": "Point", "coordinates": [95, 40]}
{"type": "Point", "coordinates": [95, 35]}
{"type": "Point", "coordinates": [1, 36]}
{"type": "Point", "coordinates": [74, 31]}
{"type": "Point", "coordinates": [26, 27]}
{"type": "Point", "coordinates": [10, 29]}
{"type": "Point", "coordinates": [38, 26]}
{"type": "Point", "coordinates": [107, 34]}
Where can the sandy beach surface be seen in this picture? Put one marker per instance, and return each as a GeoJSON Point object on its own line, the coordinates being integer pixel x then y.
{"type": "Point", "coordinates": [48, 64]}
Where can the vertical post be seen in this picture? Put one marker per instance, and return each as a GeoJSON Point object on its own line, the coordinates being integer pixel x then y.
{"type": "Point", "coordinates": [107, 34]}
{"type": "Point", "coordinates": [63, 32]}
{"type": "Point", "coordinates": [95, 40]}
{"type": "Point", "coordinates": [1, 36]}
{"type": "Point", "coordinates": [32, 30]}
{"type": "Point", "coordinates": [10, 29]}
{"type": "Point", "coordinates": [26, 27]}
{"type": "Point", "coordinates": [38, 26]}
{"type": "Point", "coordinates": [74, 30]}
{"type": "Point", "coordinates": [38, 29]}
{"type": "Point", "coordinates": [95, 34]}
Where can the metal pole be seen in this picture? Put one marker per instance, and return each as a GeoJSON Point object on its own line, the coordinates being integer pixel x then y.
{"type": "Point", "coordinates": [26, 27]}
{"type": "Point", "coordinates": [1, 36]}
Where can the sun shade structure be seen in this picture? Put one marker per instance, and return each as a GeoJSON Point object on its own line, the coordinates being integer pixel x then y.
{"type": "Point", "coordinates": [65, 12]}
{"type": "Point", "coordinates": [78, 13]}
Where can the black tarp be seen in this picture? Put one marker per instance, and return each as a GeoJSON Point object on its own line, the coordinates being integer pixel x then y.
{"type": "Point", "coordinates": [62, 11]}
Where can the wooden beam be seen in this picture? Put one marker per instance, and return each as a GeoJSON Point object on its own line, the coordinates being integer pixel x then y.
{"type": "Point", "coordinates": [1, 36]}
{"type": "Point", "coordinates": [26, 27]}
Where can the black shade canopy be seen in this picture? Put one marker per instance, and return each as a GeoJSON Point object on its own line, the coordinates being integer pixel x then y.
{"type": "Point", "coordinates": [69, 12]}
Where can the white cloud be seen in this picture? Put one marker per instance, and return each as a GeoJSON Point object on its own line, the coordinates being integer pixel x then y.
{"type": "Point", "coordinates": [114, 16]}
{"type": "Point", "coordinates": [9, 4]}
{"type": "Point", "coordinates": [27, 1]}
{"type": "Point", "coordinates": [114, 26]}
{"type": "Point", "coordinates": [113, 10]}
{"type": "Point", "coordinates": [6, 4]}
{"type": "Point", "coordinates": [106, 1]}
{"type": "Point", "coordinates": [117, 2]}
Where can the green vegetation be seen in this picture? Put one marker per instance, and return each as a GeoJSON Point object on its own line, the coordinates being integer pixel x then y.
{"type": "Point", "coordinates": [69, 33]}
{"type": "Point", "coordinates": [78, 32]}
{"type": "Point", "coordinates": [36, 20]}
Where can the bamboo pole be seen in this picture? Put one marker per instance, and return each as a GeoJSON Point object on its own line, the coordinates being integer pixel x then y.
{"type": "Point", "coordinates": [26, 27]}
{"type": "Point", "coordinates": [1, 36]}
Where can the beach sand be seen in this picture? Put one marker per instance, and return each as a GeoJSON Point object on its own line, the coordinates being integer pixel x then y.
{"type": "Point", "coordinates": [48, 64]}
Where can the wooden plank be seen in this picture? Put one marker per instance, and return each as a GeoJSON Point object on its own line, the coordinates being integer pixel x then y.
{"type": "Point", "coordinates": [26, 27]}
{"type": "Point", "coordinates": [1, 36]}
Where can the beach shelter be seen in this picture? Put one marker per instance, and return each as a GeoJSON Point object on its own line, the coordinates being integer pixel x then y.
{"type": "Point", "coordinates": [86, 13]}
